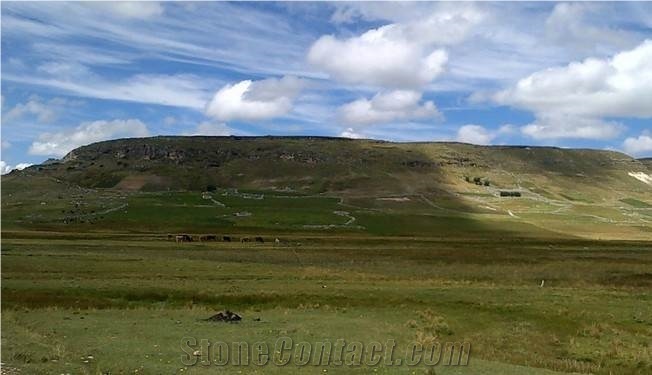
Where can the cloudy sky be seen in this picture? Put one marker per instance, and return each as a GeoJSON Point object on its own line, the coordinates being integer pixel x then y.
{"type": "Point", "coordinates": [562, 74]}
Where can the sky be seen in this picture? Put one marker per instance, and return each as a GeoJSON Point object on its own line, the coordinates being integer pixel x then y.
{"type": "Point", "coordinates": [573, 74]}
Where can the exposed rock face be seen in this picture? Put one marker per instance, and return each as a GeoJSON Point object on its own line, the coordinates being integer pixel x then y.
{"type": "Point", "coordinates": [166, 149]}
{"type": "Point", "coordinates": [71, 156]}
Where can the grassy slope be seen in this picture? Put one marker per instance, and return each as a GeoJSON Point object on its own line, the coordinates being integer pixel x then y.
{"type": "Point", "coordinates": [332, 164]}
{"type": "Point", "coordinates": [575, 192]}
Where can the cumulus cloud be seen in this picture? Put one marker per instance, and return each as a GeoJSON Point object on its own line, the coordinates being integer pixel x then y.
{"type": "Point", "coordinates": [379, 57]}
{"type": "Point", "coordinates": [621, 86]}
{"type": "Point", "coordinates": [564, 126]}
{"type": "Point", "coordinates": [407, 53]}
{"type": "Point", "coordinates": [351, 133]}
{"type": "Point", "coordinates": [639, 145]}
{"type": "Point", "coordinates": [571, 101]}
{"type": "Point", "coordinates": [480, 135]}
{"type": "Point", "coordinates": [384, 107]}
{"type": "Point", "coordinates": [60, 143]}
{"type": "Point", "coordinates": [255, 100]}
{"type": "Point", "coordinates": [5, 168]}
{"type": "Point", "coordinates": [475, 134]}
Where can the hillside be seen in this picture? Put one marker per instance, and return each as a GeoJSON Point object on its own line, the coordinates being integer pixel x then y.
{"type": "Point", "coordinates": [604, 193]}
{"type": "Point", "coordinates": [315, 164]}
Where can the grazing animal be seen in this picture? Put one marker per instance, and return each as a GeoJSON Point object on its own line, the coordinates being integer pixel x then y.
{"type": "Point", "coordinates": [226, 238]}
{"type": "Point", "coordinates": [245, 239]}
{"type": "Point", "coordinates": [277, 241]}
{"type": "Point", "coordinates": [170, 237]}
{"type": "Point", "coordinates": [183, 238]}
{"type": "Point", "coordinates": [260, 239]}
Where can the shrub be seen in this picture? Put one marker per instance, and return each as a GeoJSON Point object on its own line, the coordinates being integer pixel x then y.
{"type": "Point", "coordinates": [510, 193]}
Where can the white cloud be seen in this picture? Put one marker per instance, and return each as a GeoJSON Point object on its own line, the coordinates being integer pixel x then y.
{"type": "Point", "coordinates": [5, 168]}
{"type": "Point", "coordinates": [5, 144]}
{"type": "Point", "coordinates": [380, 57]}
{"type": "Point", "coordinates": [211, 129]}
{"type": "Point", "coordinates": [427, 23]}
{"type": "Point", "coordinates": [350, 12]}
{"type": "Point", "coordinates": [480, 135]}
{"type": "Point", "coordinates": [570, 101]}
{"type": "Point", "coordinates": [21, 166]}
{"type": "Point", "coordinates": [180, 90]}
{"type": "Point", "coordinates": [475, 134]}
{"type": "Point", "coordinates": [255, 100]}
{"type": "Point", "coordinates": [351, 133]}
{"type": "Point", "coordinates": [43, 112]}
{"type": "Point", "coordinates": [60, 143]}
{"type": "Point", "coordinates": [621, 86]}
{"type": "Point", "coordinates": [561, 126]}
{"type": "Point", "coordinates": [251, 40]}
{"type": "Point", "coordinates": [406, 54]}
{"type": "Point", "coordinates": [129, 9]}
{"type": "Point", "coordinates": [568, 25]}
{"type": "Point", "coordinates": [639, 145]}
{"type": "Point", "coordinates": [398, 105]}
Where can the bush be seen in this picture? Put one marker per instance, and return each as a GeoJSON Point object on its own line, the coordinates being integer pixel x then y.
{"type": "Point", "coordinates": [510, 193]}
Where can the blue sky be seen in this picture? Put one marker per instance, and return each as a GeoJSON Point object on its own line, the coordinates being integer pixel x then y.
{"type": "Point", "coordinates": [562, 74]}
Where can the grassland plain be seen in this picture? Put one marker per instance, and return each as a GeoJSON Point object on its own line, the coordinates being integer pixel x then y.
{"type": "Point", "coordinates": [376, 241]}
{"type": "Point", "coordinates": [127, 302]}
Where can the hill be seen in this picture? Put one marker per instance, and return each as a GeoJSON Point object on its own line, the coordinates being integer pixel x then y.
{"type": "Point", "coordinates": [545, 186]}
{"type": "Point", "coordinates": [316, 164]}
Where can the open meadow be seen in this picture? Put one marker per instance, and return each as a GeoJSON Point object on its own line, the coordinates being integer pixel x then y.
{"type": "Point", "coordinates": [96, 286]}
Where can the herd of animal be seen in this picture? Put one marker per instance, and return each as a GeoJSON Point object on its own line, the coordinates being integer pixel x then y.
{"type": "Point", "coordinates": [212, 237]}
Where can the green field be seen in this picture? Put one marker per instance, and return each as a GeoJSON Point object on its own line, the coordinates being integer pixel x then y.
{"type": "Point", "coordinates": [128, 301]}
{"type": "Point", "coordinates": [110, 285]}
{"type": "Point", "coordinates": [362, 241]}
